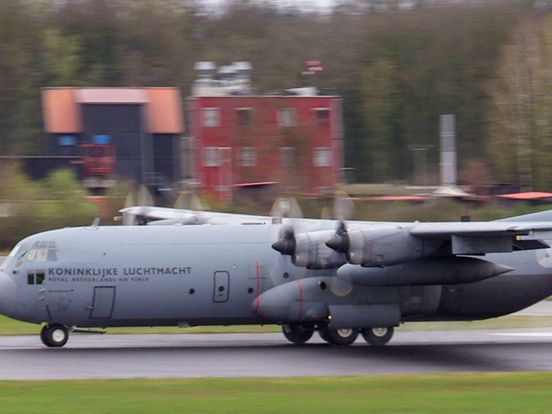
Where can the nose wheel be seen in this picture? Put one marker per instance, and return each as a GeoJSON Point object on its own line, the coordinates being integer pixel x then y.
{"type": "Point", "coordinates": [54, 335]}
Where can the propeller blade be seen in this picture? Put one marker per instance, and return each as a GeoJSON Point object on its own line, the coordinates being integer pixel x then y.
{"type": "Point", "coordinates": [144, 197]}
{"type": "Point", "coordinates": [286, 207]}
{"type": "Point", "coordinates": [344, 208]}
{"type": "Point", "coordinates": [340, 242]}
{"type": "Point", "coordinates": [286, 244]}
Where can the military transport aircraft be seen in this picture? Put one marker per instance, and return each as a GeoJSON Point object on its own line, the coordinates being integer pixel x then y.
{"type": "Point", "coordinates": [341, 279]}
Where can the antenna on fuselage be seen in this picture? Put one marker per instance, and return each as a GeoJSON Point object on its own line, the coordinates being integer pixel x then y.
{"type": "Point", "coordinates": [96, 222]}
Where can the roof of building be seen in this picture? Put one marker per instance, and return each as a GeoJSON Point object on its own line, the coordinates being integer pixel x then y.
{"type": "Point", "coordinates": [62, 115]}
{"type": "Point", "coordinates": [164, 111]}
{"type": "Point", "coordinates": [111, 96]}
{"type": "Point", "coordinates": [60, 112]}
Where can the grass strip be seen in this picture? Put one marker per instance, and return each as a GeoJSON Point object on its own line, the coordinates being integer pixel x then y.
{"type": "Point", "coordinates": [438, 393]}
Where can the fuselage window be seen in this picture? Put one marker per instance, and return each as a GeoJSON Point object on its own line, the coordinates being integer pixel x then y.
{"type": "Point", "coordinates": [36, 277]}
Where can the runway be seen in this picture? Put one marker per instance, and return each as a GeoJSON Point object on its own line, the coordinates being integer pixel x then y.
{"type": "Point", "coordinates": [267, 355]}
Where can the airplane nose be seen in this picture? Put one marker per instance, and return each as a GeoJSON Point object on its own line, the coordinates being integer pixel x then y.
{"type": "Point", "coordinates": [8, 291]}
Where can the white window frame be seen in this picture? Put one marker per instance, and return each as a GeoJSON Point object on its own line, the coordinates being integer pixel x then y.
{"type": "Point", "coordinates": [287, 117]}
{"type": "Point", "coordinates": [211, 157]}
{"type": "Point", "coordinates": [247, 156]}
{"type": "Point", "coordinates": [287, 156]}
{"type": "Point", "coordinates": [322, 157]}
{"type": "Point", "coordinates": [320, 121]}
{"type": "Point", "coordinates": [211, 117]}
{"type": "Point", "coordinates": [249, 111]}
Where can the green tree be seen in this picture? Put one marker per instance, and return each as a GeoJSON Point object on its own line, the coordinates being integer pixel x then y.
{"type": "Point", "coordinates": [520, 119]}
{"type": "Point", "coordinates": [61, 58]}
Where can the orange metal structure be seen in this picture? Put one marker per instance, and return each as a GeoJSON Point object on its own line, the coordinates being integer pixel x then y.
{"type": "Point", "coordinates": [98, 160]}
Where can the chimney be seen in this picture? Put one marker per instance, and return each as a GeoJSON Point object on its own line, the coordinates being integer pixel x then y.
{"type": "Point", "coordinates": [448, 151]}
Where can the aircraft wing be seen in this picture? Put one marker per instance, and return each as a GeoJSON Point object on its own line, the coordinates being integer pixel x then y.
{"type": "Point", "coordinates": [484, 237]}
{"type": "Point", "coordinates": [443, 231]}
{"type": "Point", "coordinates": [328, 243]}
{"type": "Point", "coordinates": [174, 216]}
{"type": "Point", "coordinates": [162, 215]}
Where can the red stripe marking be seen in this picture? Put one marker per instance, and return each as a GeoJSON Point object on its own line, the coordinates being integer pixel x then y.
{"type": "Point", "coordinates": [300, 286]}
{"type": "Point", "coordinates": [258, 287]}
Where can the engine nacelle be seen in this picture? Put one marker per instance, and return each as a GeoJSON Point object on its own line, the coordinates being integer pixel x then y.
{"type": "Point", "coordinates": [428, 271]}
{"type": "Point", "coordinates": [310, 250]}
{"type": "Point", "coordinates": [385, 246]}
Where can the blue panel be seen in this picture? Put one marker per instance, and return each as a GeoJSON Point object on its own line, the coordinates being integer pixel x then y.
{"type": "Point", "coordinates": [67, 140]}
{"type": "Point", "coordinates": [102, 139]}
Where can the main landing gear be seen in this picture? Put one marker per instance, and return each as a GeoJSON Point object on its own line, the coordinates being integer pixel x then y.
{"type": "Point", "coordinates": [378, 336]}
{"type": "Point", "coordinates": [54, 335]}
{"type": "Point", "coordinates": [300, 334]}
{"type": "Point", "coordinates": [340, 337]}
{"type": "Point", "coordinates": [297, 334]}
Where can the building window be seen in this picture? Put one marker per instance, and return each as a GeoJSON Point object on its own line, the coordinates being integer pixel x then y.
{"type": "Point", "coordinates": [244, 117]}
{"type": "Point", "coordinates": [102, 139]}
{"type": "Point", "coordinates": [67, 140]}
{"type": "Point", "coordinates": [287, 156]}
{"type": "Point", "coordinates": [211, 117]}
{"type": "Point", "coordinates": [286, 117]}
{"type": "Point", "coordinates": [247, 156]}
{"type": "Point", "coordinates": [322, 157]}
{"type": "Point", "coordinates": [322, 116]}
{"type": "Point", "coordinates": [211, 157]}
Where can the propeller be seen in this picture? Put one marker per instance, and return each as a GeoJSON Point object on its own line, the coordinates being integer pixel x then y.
{"type": "Point", "coordinates": [144, 200]}
{"type": "Point", "coordinates": [286, 207]}
{"type": "Point", "coordinates": [189, 200]}
{"type": "Point", "coordinates": [286, 243]}
{"type": "Point", "coordinates": [343, 206]}
{"type": "Point", "coordinates": [129, 219]}
{"type": "Point", "coordinates": [340, 242]}
{"type": "Point", "coordinates": [144, 197]}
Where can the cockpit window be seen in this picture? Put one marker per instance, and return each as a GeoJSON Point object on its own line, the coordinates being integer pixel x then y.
{"type": "Point", "coordinates": [15, 250]}
{"type": "Point", "coordinates": [52, 252]}
{"type": "Point", "coordinates": [31, 255]}
{"type": "Point", "coordinates": [42, 252]}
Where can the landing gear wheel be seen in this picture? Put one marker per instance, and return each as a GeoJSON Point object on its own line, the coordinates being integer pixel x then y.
{"type": "Point", "coordinates": [378, 336]}
{"type": "Point", "coordinates": [54, 336]}
{"type": "Point", "coordinates": [297, 334]}
{"type": "Point", "coordinates": [341, 337]}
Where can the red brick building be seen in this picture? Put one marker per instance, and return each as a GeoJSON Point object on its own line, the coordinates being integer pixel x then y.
{"type": "Point", "coordinates": [293, 142]}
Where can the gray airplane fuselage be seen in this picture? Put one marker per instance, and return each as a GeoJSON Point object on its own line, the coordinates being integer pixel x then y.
{"type": "Point", "coordinates": [207, 275]}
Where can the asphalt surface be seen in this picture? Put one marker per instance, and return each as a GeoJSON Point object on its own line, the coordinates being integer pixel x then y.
{"type": "Point", "coordinates": [265, 355]}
